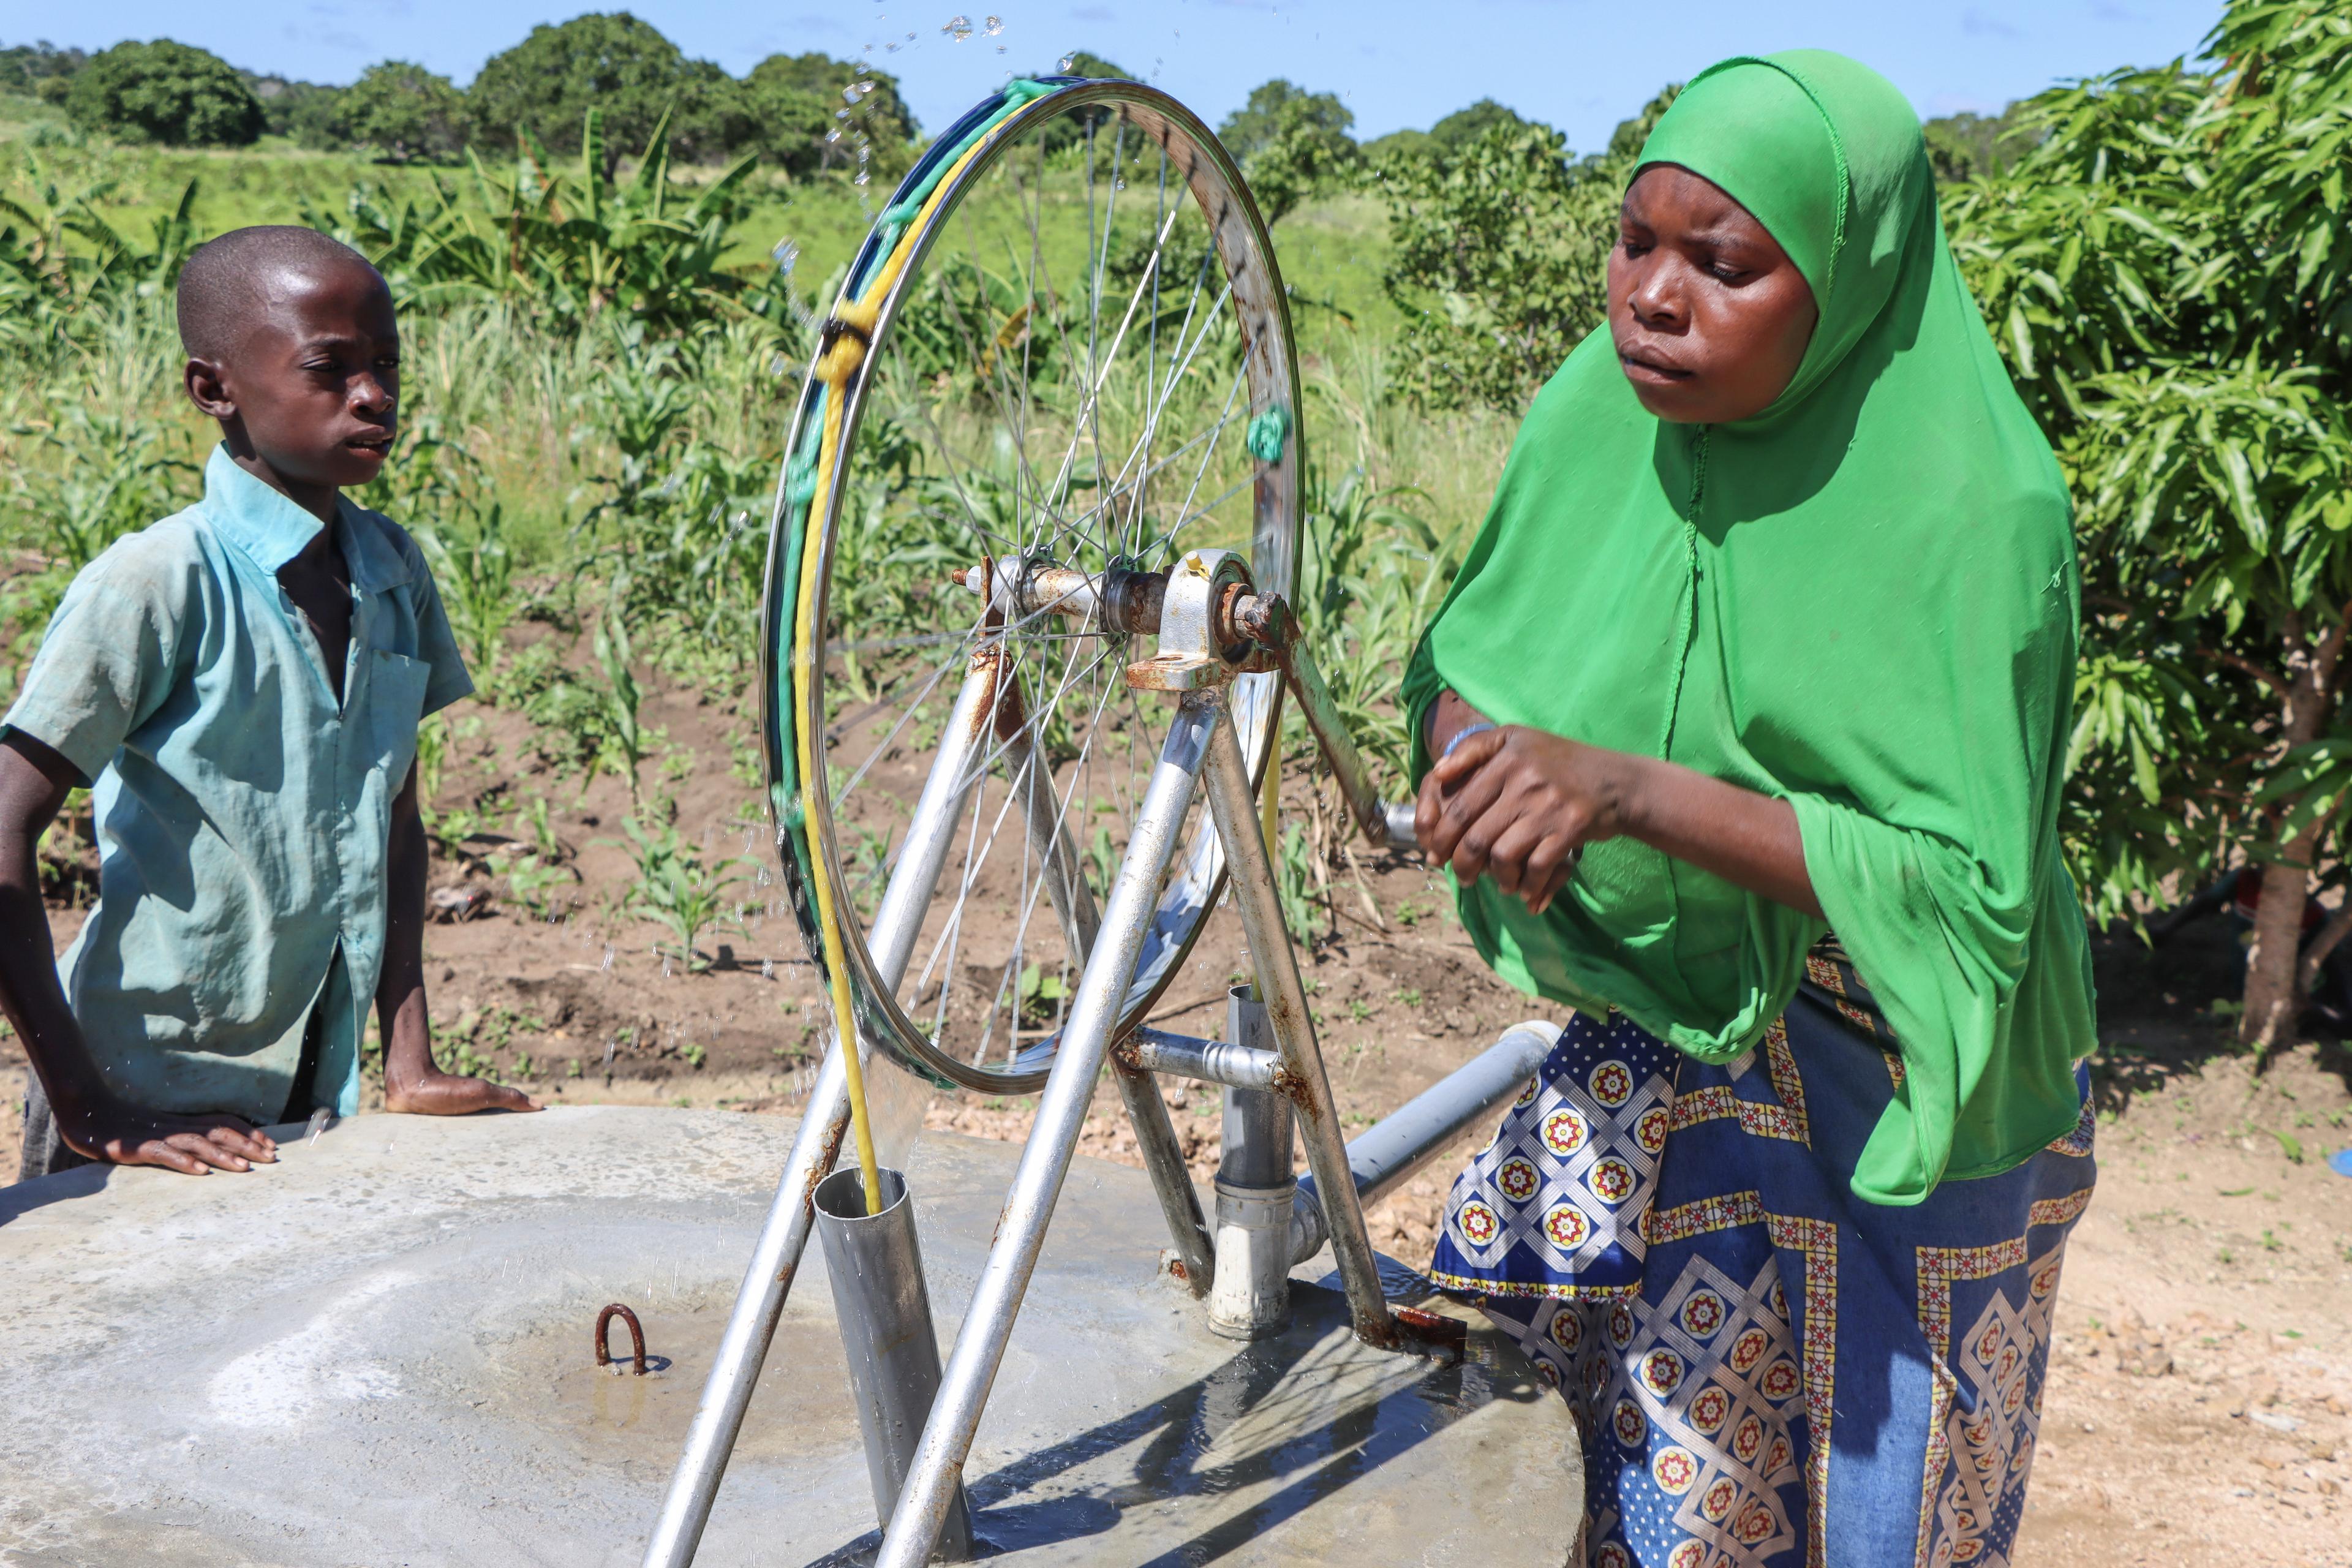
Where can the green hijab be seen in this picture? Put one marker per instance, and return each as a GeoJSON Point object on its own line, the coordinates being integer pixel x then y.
{"type": "Point", "coordinates": [1863, 602]}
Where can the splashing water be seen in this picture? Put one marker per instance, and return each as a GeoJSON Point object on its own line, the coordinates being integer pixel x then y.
{"type": "Point", "coordinates": [1062, 67]}
{"type": "Point", "coordinates": [320, 1119]}
{"type": "Point", "coordinates": [958, 28]}
{"type": "Point", "coordinates": [767, 968]}
{"type": "Point", "coordinates": [607, 965]}
{"type": "Point", "coordinates": [787, 255]}
{"type": "Point", "coordinates": [995, 25]}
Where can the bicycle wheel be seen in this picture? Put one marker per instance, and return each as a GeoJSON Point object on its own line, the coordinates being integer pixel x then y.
{"type": "Point", "coordinates": [1062, 360]}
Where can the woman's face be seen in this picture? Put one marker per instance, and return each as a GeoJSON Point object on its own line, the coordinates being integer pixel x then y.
{"type": "Point", "coordinates": [1710, 316]}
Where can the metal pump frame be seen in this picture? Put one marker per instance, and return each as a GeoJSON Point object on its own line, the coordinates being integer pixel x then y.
{"type": "Point", "coordinates": [1211, 627]}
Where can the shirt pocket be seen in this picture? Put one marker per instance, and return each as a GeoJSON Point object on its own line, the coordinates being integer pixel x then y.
{"type": "Point", "coordinates": [395, 701]}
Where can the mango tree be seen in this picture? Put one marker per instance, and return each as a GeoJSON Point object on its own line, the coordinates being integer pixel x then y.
{"type": "Point", "coordinates": [2168, 268]}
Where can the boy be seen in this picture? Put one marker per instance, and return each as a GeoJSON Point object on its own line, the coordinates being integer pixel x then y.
{"type": "Point", "coordinates": [243, 681]}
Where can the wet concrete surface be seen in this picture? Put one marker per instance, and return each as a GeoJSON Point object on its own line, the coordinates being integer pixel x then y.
{"type": "Point", "coordinates": [380, 1351]}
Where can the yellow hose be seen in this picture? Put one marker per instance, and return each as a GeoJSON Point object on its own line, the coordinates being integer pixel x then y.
{"type": "Point", "coordinates": [834, 368]}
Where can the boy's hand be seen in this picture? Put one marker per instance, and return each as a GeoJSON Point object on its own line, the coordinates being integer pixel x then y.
{"type": "Point", "coordinates": [193, 1145]}
{"type": "Point", "coordinates": [432, 1092]}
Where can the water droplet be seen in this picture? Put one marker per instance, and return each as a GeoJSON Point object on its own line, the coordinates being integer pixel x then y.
{"type": "Point", "coordinates": [958, 28]}
{"type": "Point", "coordinates": [995, 25]}
{"type": "Point", "coordinates": [767, 968]}
{"type": "Point", "coordinates": [1062, 67]}
{"type": "Point", "coordinates": [665, 968]}
{"type": "Point", "coordinates": [608, 959]}
{"type": "Point", "coordinates": [787, 255]}
{"type": "Point", "coordinates": [863, 177]}
{"type": "Point", "coordinates": [834, 135]}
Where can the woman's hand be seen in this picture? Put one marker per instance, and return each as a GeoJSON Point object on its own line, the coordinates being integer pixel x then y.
{"type": "Point", "coordinates": [1517, 805]}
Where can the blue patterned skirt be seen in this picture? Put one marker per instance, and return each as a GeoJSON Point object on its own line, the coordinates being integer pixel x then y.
{"type": "Point", "coordinates": [1767, 1370]}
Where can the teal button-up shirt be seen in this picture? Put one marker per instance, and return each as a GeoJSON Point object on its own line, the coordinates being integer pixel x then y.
{"type": "Point", "coordinates": [243, 818]}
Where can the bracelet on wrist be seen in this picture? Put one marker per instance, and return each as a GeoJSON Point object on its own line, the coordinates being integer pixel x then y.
{"type": "Point", "coordinates": [1463, 734]}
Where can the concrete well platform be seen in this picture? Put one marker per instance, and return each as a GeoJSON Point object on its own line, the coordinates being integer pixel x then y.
{"type": "Point", "coordinates": [377, 1353]}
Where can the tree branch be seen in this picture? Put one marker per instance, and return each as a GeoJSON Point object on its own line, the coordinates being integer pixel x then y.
{"type": "Point", "coordinates": [2339, 926]}
{"type": "Point", "coordinates": [2331, 647]}
{"type": "Point", "coordinates": [2244, 666]}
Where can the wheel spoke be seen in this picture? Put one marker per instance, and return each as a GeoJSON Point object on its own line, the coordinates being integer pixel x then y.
{"type": "Point", "coordinates": [1050, 344]}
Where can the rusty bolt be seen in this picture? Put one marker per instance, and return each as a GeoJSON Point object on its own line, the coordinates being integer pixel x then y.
{"type": "Point", "coordinates": [636, 1338]}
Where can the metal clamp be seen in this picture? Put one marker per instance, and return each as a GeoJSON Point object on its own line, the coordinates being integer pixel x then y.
{"type": "Point", "coordinates": [1198, 648]}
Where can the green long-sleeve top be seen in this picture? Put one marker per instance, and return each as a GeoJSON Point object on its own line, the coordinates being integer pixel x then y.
{"type": "Point", "coordinates": [1864, 602]}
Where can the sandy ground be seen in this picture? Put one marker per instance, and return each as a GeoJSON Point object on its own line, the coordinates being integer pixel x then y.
{"type": "Point", "coordinates": [2200, 1386]}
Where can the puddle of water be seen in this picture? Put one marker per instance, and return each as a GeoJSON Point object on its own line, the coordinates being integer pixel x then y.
{"type": "Point", "coordinates": [550, 1379]}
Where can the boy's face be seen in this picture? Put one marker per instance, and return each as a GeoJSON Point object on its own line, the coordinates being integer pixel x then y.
{"type": "Point", "coordinates": [311, 386]}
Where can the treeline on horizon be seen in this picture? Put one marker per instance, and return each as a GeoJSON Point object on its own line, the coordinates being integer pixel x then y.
{"type": "Point", "coordinates": [801, 113]}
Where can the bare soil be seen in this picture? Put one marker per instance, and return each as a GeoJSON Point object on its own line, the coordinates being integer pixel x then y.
{"type": "Point", "coordinates": [2200, 1407]}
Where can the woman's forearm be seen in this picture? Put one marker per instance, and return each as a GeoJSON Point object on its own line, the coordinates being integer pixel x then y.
{"type": "Point", "coordinates": [1519, 800]}
{"type": "Point", "coordinates": [1446, 718]}
{"type": "Point", "coordinates": [1746, 838]}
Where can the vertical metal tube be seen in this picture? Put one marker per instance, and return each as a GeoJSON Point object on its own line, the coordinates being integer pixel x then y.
{"type": "Point", "coordinates": [1172, 1179]}
{"type": "Point", "coordinates": [875, 1263]}
{"type": "Point", "coordinates": [937, 1470]}
{"type": "Point", "coordinates": [775, 1258]}
{"type": "Point", "coordinates": [758, 1303]}
{"type": "Point", "coordinates": [1226, 781]}
{"type": "Point", "coordinates": [1250, 1298]}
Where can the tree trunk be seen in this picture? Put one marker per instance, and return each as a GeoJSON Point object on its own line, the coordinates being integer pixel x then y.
{"type": "Point", "coordinates": [2274, 998]}
{"type": "Point", "coordinates": [2274, 978]}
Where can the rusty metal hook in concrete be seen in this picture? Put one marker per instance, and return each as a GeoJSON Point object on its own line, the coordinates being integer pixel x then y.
{"type": "Point", "coordinates": [636, 1337]}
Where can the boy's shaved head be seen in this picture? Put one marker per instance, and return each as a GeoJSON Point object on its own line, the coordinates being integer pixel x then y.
{"type": "Point", "coordinates": [225, 286]}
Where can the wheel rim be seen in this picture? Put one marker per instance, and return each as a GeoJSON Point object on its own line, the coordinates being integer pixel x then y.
{"type": "Point", "coordinates": [1083, 406]}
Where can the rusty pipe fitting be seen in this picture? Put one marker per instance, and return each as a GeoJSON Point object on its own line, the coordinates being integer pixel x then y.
{"type": "Point", "coordinates": [636, 1338]}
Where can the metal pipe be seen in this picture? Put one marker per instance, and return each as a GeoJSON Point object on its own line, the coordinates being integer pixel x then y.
{"type": "Point", "coordinates": [1172, 1179]}
{"type": "Point", "coordinates": [931, 831]}
{"type": "Point", "coordinates": [1233, 804]}
{"type": "Point", "coordinates": [936, 1472]}
{"type": "Point", "coordinates": [1119, 600]}
{"type": "Point", "coordinates": [1400, 1145]}
{"type": "Point", "coordinates": [875, 1264]}
{"type": "Point", "coordinates": [1250, 1299]}
{"type": "Point", "coordinates": [758, 1303]}
{"type": "Point", "coordinates": [1330, 729]}
{"type": "Point", "coordinates": [824, 1121]}
{"type": "Point", "coordinates": [1073, 904]}
{"type": "Point", "coordinates": [1210, 1061]}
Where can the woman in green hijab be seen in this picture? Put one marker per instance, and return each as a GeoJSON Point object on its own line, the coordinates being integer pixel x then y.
{"type": "Point", "coordinates": [1755, 684]}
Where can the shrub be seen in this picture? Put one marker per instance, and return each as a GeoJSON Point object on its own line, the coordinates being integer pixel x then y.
{"type": "Point", "coordinates": [167, 92]}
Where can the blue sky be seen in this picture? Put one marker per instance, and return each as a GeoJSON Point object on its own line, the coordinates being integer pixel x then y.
{"type": "Point", "coordinates": [1579, 65]}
